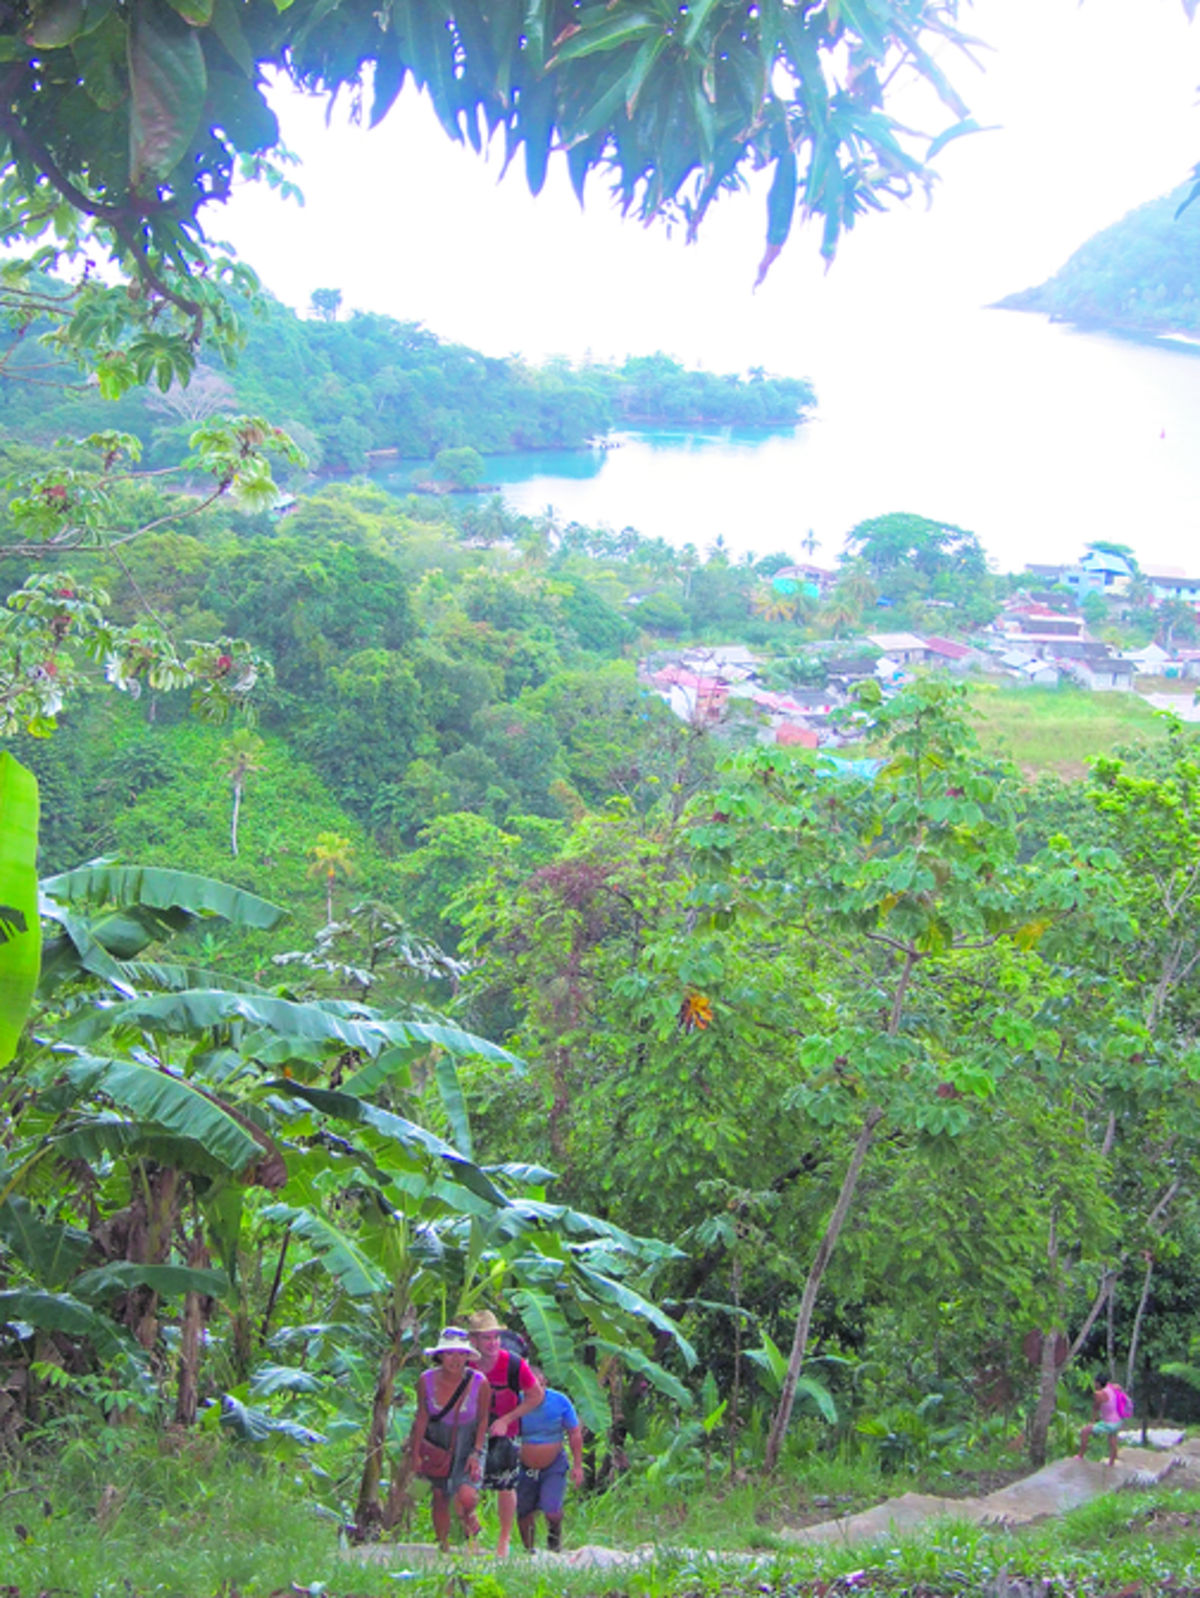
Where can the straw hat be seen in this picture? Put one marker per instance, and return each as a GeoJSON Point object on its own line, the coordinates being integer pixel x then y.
{"type": "Point", "coordinates": [484, 1321]}
{"type": "Point", "coordinates": [453, 1340]}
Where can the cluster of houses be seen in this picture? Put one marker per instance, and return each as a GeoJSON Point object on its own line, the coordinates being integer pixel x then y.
{"type": "Point", "coordinates": [1029, 642]}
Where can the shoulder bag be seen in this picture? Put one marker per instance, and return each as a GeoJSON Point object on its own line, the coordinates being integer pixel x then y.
{"type": "Point", "coordinates": [432, 1459]}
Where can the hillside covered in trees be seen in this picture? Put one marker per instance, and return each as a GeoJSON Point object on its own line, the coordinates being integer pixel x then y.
{"type": "Point", "coordinates": [1142, 275]}
{"type": "Point", "coordinates": [344, 388]}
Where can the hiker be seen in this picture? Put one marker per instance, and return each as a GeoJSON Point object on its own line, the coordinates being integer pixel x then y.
{"type": "Point", "coordinates": [449, 1435]}
{"type": "Point", "coordinates": [1111, 1405]}
{"type": "Point", "coordinates": [515, 1391]}
{"type": "Point", "coordinates": [542, 1479]}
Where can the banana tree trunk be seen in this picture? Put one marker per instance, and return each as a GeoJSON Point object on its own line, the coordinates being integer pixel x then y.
{"type": "Point", "coordinates": [368, 1512]}
{"type": "Point", "coordinates": [191, 1339]}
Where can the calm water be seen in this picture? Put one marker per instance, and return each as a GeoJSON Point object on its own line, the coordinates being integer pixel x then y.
{"type": "Point", "coordinates": [1035, 437]}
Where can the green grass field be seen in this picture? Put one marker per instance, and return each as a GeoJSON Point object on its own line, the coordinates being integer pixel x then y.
{"type": "Point", "coordinates": [124, 1515]}
{"type": "Point", "coordinates": [1060, 730]}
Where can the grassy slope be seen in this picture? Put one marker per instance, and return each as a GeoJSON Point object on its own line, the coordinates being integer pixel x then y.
{"type": "Point", "coordinates": [1060, 729]}
{"type": "Point", "coordinates": [185, 822]}
{"type": "Point", "coordinates": [195, 1519]}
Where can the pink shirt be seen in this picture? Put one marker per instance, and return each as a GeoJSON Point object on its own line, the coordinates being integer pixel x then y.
{"type": "Point", "coordinates": [1108, 1403]}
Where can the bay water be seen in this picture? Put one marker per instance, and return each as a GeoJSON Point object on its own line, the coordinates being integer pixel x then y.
{"type": "Point", "coordinates": [1036, 437]}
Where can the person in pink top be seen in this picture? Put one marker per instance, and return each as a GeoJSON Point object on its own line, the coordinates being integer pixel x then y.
{"type": "Point", "coordinates": [1106, 1416]}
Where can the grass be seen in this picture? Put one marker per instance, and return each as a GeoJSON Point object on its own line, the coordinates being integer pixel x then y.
{"type": "Point", "coordinates": [118, 1517]}
{"type": "Point", "coordinates": [1059, 730]}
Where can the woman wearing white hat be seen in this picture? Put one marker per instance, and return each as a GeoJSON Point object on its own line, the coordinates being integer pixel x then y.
{"type": "Point", "coordinates": [449, 1436]}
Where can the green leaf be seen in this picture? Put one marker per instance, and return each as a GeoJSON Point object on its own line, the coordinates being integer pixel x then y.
{"type": "Point", "coordinates": [100, 56]}
{"type": "Point", "coordinates": [161, 888]}
{"type": "Point", "coordinates": [51, 1252]}
{"type": "Point", "coordinates": [258, 1426]}
{"type": "Point", "coordinates": [453, 1102]}
{"type": "Point", "coordinates": [346, 1107]}
{"type": "Point", "coordinates": [271, 1379]}
{"type": "Point", "coordinates": [590, 1399]}
{"type": "Point", "coordinates": [809, 1387]}
{"type": "Point", "coordinates": [342, 1258]}
{"type": "Point", "coordinates": [633, 1303]}
{"type": "Point", "coordinates": [967, 125]}
{"type": "Point", "coordinates": [615, 30]}
{"type": "Point", "coordinates": [170, 1102]}
{"type": "Point", "coordinates": [643, 1365]}
{"type": "Point", "coordinates": [170, 1281]}
{"type": "Point", "coordinates": [106, 1135]}
{"type": "Point", "coordinates": [21, 948]}
{"type": "Point", "coordinates": [198, 12]}
{"type": "Point", "coordinates": [168, 83]}
{"type": "Point", "coordinates": [55, 23]}
{"type": "Point", "coordinates": [549, 1332]}
{"type": "Point", "coordinates": [60, 1312]}
{"type": "Point", "coordinates": [226, 24]}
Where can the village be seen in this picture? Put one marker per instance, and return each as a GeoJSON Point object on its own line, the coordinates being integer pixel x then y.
{"type": "Point", "coordinates": [1039, 639]}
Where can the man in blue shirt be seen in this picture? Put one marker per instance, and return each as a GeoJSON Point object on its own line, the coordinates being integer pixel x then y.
{"type": "Point", "coordinates": [542, 1480]}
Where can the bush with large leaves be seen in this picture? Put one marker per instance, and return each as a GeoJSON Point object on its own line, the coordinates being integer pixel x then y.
{"type": "Point", "coordinates": [183, 1140]}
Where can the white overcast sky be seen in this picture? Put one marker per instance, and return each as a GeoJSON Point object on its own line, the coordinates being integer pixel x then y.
{"type": "Point", "coordinates": [1096, 107]}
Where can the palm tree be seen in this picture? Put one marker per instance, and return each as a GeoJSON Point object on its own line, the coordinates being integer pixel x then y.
{"type": "Point", "coordinates": [331, 857]}
{"type": "Point", "coordinates": [768, 605]}
{"type": "Point", "coordinates": [857, 586]}
{"type": "Point", "coordinates": [242, 755]}
{"type": "Point", "coordinates": [810, 542]}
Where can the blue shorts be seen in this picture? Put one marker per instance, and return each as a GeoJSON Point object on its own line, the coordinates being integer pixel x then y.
{"type": "Point", "coordinates": [543, 1489]}
{"type": "Point", "coordinates": [1108, 1428]}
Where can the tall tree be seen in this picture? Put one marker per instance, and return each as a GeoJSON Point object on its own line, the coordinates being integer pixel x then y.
{"type": "Point", "coordinates": [896, 881]}
{"type": "Point", "coordinates": [240, 759]}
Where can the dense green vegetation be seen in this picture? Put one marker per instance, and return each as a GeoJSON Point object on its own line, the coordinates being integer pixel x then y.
{"type": "Point", "coordinates": [1140, 275]}
{"type": "Point", "coordinates": [368, 383]}
{"type": "Point", "coordinates": [843, 1044]}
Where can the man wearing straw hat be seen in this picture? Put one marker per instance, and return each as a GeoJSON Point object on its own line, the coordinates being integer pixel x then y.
{"type": "Point", "coordinates": [515, 1391]}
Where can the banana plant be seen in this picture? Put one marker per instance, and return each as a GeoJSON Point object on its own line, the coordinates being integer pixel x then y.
{"type": "Point", "coordinates": [172, 1126]}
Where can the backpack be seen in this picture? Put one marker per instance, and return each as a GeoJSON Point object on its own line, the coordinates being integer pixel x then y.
{"type": "Point", "coordinates": [1124, 1402]}
{"type": "Point", "coordinates": [513, 1345]}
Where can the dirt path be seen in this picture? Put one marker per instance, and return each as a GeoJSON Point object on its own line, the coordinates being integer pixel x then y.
{"type": "Point", "coordinates": [1056, 1488]}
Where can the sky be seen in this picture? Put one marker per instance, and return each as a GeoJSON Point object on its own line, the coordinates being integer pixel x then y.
{"type": "Point", "coordinates": [1093, 113]}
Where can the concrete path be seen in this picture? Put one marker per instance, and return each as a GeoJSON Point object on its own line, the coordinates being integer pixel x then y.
{"type": "Point", "coordinates": [1053, 1490]}
{"type": "Point", "coordinates": [1184, 705]}
{"type": "Point", "coordinates": [1056, 1488]}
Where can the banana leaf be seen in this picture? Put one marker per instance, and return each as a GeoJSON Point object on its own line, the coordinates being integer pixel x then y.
{"type": "Point", "coordinates": [643, 1365]}
{"type": "Point", "coordinates": [167, 1101]}
{"type": "Point", "coordinates": [60, 1312]}
{"type": "Point", "coordinates": [341, 1257]}
{"type": "Point", "coordinates": [346, 1107]}
{"type": "Point", "coordinates": [50, 1252]}
{"type": "Point", "coordinates": [161, 888]}
{"type": "Point", "coordinates": [257, 1426]}
{"type": "Point", "coordinates": [170, 1281]}
{"type": "Point", "coordinates": [20, 927]}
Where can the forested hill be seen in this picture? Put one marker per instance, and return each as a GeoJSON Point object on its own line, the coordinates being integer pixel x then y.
{"type": "Point", "coordinates": [1142, 275]}
{"type": "Point", "coordinates": [345, 388]}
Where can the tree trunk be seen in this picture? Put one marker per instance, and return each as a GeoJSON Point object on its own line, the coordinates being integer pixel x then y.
{"type": "Point", "coordinates": [1131, 1359]}
{"type": "Point", "coordinates": [841, 1209]}
{"type": "Point", "coordinates": [191, 1338]}
{"type": "Point", "coordinates": [735, 1402]}
{"type": "Point", "coordinates": [368, 1513]}
{"type": "Point", "coordinates": [1039, 1428]}
{"type": "Point", "coordinates": [233, 825]}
